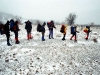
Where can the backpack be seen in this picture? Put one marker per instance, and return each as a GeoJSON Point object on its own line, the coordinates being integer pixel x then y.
{"type": "Point", "coordinates": [39, 28]}
{"type": "Point", "coordinates": [11, 25]}
{"type": "Point", "coordinates": [85, 30]}
{"type": "Point", "coordinates": [2, 30]}
{"type": "Point", "coordinates": [72, 29]}
{"type": "Point", "coordinates": [48, 24]}
{"type": "Point", "coordinates": [62, 29]}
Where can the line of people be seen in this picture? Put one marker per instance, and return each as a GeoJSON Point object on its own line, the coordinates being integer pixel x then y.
{"type": "Point", "coordinates": [14, 27]}
{"type": "Point", "coordinates": [8, 27]}
{"type": "Point", "coordinates": [41, 28]}
{"type": "Point", "coordinates": [74, 32]}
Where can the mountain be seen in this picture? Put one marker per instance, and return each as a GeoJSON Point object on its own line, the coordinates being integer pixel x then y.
{"type": "Point", "coordinates": [5, 16]}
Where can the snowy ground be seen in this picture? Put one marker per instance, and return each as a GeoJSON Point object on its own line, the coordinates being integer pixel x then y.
{"type": "Point", "coordinates": [50, 57]}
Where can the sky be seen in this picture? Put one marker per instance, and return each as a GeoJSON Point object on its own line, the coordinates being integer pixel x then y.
{"type": "Point", "coordinates": [87, 11]}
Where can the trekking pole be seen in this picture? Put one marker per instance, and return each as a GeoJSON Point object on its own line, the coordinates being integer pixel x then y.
{"type": "Point", "coordinates": [11, 40]}
{"type": "Point", "coordinates": [90, 35]}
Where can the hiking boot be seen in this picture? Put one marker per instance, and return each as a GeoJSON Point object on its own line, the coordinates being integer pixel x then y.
{"type": "Point", "coordinates": [86, 38]}
{"type": "Point", "coordinates": [75, 40]}
{"type": "Point", "coordinates": [43, 40]}
{"type": "Point", "coordinates": [31, 37]}
{"type": "Point", "coordinates": [17, 42]}
{"type": "Point", "coordinates": [9, 44]}
{"type": "Point", "coordinates": [63, 39]}
{"type": "Point", "coordinates": [49, 38]}
{"type": "Point", "coordinates": [52, 38]}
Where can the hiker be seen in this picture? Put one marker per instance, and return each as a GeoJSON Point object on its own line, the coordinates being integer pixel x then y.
{"type": "Point", "coordinates": [63, 30]}
{"type": "Point", "coordinates": [87, 31]}
{"type": "Point", "coordinates": [28, 28]}
{"type": "Point", "coordinates": [51, 26]}
{"type": "Point", "coordinates": [43, 31]}
{"type": "Point", "coordinates": [7, 32]}
{"type": "Point", "coordinates": [74, 32]}
{"type": "Point", "coordinates": [16, 29]}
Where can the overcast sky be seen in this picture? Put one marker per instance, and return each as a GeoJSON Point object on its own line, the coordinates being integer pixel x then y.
{"type": "Point", "coordinates": [87, 11]}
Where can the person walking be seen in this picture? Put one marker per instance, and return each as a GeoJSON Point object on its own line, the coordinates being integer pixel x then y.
{"type": "Point", "coordinates": [51, 26]}
{"type": "Point", "coordinates": [7, 32]}
{"type": "Point", "coordinates": [43, 31]}
{"type": "Point", "coordinates": [87, 31]}
{"type": "Point", "coordinates": [16, 29]}
{"type": "Point", "coordinates": [63, 30]}
{"type": "Point", "coordinates": [28, 28]}
{"type": "Point", "coordinates": [74, 33]}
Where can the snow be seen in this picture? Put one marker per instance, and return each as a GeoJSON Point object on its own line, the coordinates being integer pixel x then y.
{"type": "Point", "coordinates": [50, 57]}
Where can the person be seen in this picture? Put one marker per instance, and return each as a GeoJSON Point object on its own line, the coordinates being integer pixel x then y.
{"type": "Point", "coordinates": [28, 28]}
{"type": "Point", "coordinates": [16, 29]}
{"type": "Point", "coordinates": [63, 30]}
{"type": "Point", "coordinates": [74, 33]}
{"type": "Point", "coordinates": [87, 30]}
{"type": "Point", "coordinates": [7, 32]}
{"type": "Point", "coordinates": [51, 26]}
{"type": "Point", "coordinates": [43, 31]}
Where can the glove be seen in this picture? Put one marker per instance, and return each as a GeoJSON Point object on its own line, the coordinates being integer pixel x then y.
{"type": "Point", "coordinates": [77, 31]}
{"type": "Point", "coordinates": [18, 29]}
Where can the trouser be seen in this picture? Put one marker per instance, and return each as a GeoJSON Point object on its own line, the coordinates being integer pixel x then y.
{"type": "Point", "coordinates": [73, 35]}
{"type": "Point", "coordinates": [87, 35]}
{"type": "Point", "coordinates": [43, 36]}
{"type": "Point", "coordinates": [50, 34]}
{"type": "Point", "coordinates": [29, 34]}
{"type": "Point", "coordinates": [7, 36]}
{"type": "Point", "coordinates": [63, 36]}
{"type": "Point", "coordinates": [16, 35]}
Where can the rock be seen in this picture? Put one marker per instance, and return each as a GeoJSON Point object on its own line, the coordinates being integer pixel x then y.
{"type": "Point", "coordinates": [54, 66]}
{"type": "Point", "coordinates": [0, 56]}
{"type": "Point", "coordinates": [16, 60]}
{"type": "Point", "coordinates": [38, 58]}
{"type": "Point", "coordinates": [0, 70]}
{"type": "Point", "coordinates": [7, 60]}
{"type": "Point", "coordinates": [95, 40]}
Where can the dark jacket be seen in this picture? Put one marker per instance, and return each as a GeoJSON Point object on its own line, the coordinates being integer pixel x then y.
{"type": "Point", "coordinates": [28, 25]}
{"type": "Point", "coordinates": [6, 28]}
{"type": "Point", "coordinates": [16, 27]}
{"type": "Point", "coordinates": [43, 27]}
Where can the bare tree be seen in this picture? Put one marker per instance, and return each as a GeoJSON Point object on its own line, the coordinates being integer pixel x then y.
{"type": "Point", "coordinates": [92, 24]}
{"type": "Point", "coordinates": [71, 19]}
{"type": "Point", "coordinates": [37, 22]}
